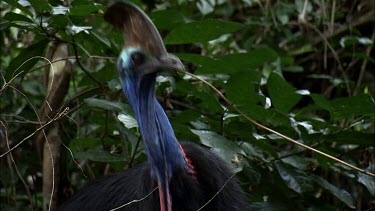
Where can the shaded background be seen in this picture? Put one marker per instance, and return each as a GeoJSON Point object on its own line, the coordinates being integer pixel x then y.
{"type": "Point", "coordinates": [303, 68]}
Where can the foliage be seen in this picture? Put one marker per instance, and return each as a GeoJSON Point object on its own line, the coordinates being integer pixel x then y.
{"type": "Point", "coordinates": [302, 68]}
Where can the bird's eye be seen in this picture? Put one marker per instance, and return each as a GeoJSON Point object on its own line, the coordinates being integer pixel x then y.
{"type": "Point", "coordinates": [138, 58]}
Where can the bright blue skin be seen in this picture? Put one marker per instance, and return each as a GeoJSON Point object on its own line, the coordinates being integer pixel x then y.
{"type": "Point", "coordinates": [163, 151]}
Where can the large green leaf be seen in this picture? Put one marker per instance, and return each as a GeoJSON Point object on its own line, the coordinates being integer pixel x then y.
{"type": "Point", "coordinates": [283, 95]}
{"type": "Point", "coordinates": [201, 31]}
{"type": "Point", "coordinates": [243, 61]}
{"type": "Point", "coordinates": [197, 59]}
{"type": "Point", "coordinates": [351, 137]}
{"type": "Point", "coordinates": [231, 63]}
{"type": "Point", "coordinates": [346, 107]}
{"type": "Point", "coordinates": [224, 148]}
{"type": "Point", "coordinates": [15, 4]}
{"type": "Point", "coordinates": [294, 178]}
{"type": "Point", "coordinates": [26, 59]}
{"type": "Point", "coordinates": [341, 194]}
{"type": "Point", "coordinates": [106, 104]}
{"type": "Point", "coordinates": [85, 10]}
{"type": "Point", "coordinates": [106, 74]}
{"type": "Point", "coordinates": [242, 89]}
{"type": "Point", "coordinates": [167, 19]}
{"type": "Point", "coordinates": [201, 96]}
{"type": "Point", "coordinates": [41, 6]}
{"type": "Point", "coordinates": [11, 16]}
{"type": "Point", "coordinates": [368, 181]}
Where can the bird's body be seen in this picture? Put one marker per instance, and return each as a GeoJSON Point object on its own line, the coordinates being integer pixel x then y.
{"type": "Point", "coordinates": [188, 176]}
{"type": "Point", "coordinates": [188, 193]}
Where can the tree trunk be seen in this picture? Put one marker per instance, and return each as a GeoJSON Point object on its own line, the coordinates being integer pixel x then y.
{"type": "Point", "coordinates": [48, 141]}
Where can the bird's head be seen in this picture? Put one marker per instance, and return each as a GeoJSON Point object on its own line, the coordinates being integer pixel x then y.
{"type": "Point", "coordinates": [139, 61]}
{"type": "Point", "coordinates": [143, 52]}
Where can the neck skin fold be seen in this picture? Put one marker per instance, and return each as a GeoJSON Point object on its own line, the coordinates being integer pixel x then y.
{"type": "Point", "coordinates": [163, 151]}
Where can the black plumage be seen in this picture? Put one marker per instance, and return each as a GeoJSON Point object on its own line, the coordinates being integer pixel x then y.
{"type": "Point", "coordinates": [188, 193]}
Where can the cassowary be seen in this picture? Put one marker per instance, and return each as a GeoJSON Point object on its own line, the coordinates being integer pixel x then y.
{"type": "Point", "coordinates": [177, 176]}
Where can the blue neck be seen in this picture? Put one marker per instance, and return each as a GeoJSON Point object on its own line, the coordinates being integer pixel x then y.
{"type": "Point", "coordinates": [163, 151]}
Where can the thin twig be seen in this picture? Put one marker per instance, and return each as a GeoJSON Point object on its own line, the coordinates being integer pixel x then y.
{"type": "Point", "coordinates": [82, 67]}
{"type": "Point", "coordinates": [334, 54]}
{"type": "Point", "coordinates": [134, 152]}
{"type": "Point", "coordinates": [73, 57]}
{"type": "Point", "coordinates": [222, 187]}
{"type": "Point", "coordinates": [134, 201]}
{"type": "Point", "coordinates": [363, 67]}
{"type": "Point", "coordinates": [15, 165]}
{"type": "Point", "coordinates": [57, 117]}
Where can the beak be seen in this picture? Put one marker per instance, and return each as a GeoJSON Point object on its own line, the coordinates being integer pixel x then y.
{"type": "Point", "coordinates": [164, 64]}
{"type": "Point", "coordinates": [171, 62]}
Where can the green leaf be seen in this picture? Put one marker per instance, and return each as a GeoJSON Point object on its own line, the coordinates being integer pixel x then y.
{"type": "Point", "coordinates": [351, 137]}
{"type": "Point", "coordinates": [19, 6]}
{"type": "Point", "coordinates": [294, 178]}
{"type": "Point", "coordinates": [59, 22]}
{"type": "Point", "coordinates": [106, 104]}
{"type": "Point", "coordinates": [83, 49]}
{"type": "Point", "coordinates": [11, 16]}
{"type": "Point", "coordinates": [85, 10]}
{"type": "Point", "coordinates": [128, 120]}
{"type": "Point", "coordinates": [231, 63]}
{"type": "Point", "coordinates": [201, 31]}
{"type": "Point", "coordinates": [98, 155]}
{"type": "Point", "coordinates": [245, 61]}
{"type": "Point", "coordinates": [321, 101]}
{"type": "Point", "coordinates": [224, 148]}
{"type": "Point", "coordinates": [102, 39]}
{"type": "Point", "coordinates": [346, 107]}
{"type": "Point", "coordinates": [26, 59]}
{"type": "Point", "coordinates": [242, 89]}
{"type": "Point", "coordinates": [105, 74]}
{"type": "Point", "coordinates": [200, 96]}
{"type": "Point", "coordinates": [167, 19]}
{"type": "Point", "coordinates": [283, 95]}
{"type": "Point", "coordinates": [350, 41]}
{"type": "Point", "coordinates": [40, 5]}
{"type": "Point", "coordinates": [130, 136]}
{"type": "Point", "coordinates": [85, 143]}
{"type": "Point", "coordinates": [185, 116]}
{"type": "Point", "coordinates": [368, 181]}
{"type": "Point", "coordinates": [342, 194]}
